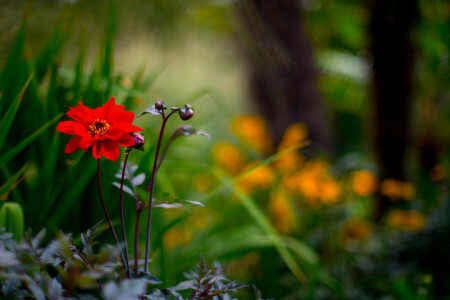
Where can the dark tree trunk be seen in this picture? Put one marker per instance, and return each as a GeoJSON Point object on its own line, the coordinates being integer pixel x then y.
{"type": "Point", "coordinates": [390, 28]}
{"type": "Point", "coordinates": [282, 76]}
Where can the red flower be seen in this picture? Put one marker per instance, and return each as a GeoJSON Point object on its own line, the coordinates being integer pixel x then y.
{"type": "Point", "coordinates": [103, 128]}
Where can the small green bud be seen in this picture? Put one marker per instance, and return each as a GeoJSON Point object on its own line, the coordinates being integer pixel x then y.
{"type": "Point", "coordinates": [11, 217]}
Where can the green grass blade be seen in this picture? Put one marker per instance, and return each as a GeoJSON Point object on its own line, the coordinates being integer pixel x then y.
{"type": "Point", "coordinates": [71, 196]}
{"type": "Point", "coordinates": [12, 73]}
{"type": "Point", "coordinates": [11, 183]}
{"type": "Point", "coordinates": [8, 118]}
{"type": "Point", "coordinates": [22, 145]}
{"type": "Point", "coordinates": [78, 81]}
{"type": "Point", "coordinates": [47, 187]}
{"type": "Point", "coordinates": [258, 216]}
{"type": "Point", "coordinates": [304, 251]}
{"type": "Point", "coordinates": [52, 48]}
{"type": "Point", "coordinates": [274, 157]}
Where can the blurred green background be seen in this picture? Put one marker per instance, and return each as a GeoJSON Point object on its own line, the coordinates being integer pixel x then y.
{"type": "Point", "coordinates": [359, 211]}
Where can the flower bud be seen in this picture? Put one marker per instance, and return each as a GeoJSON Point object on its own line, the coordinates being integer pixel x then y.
{"type": "Point", "coordinates": [11, 217]}
{"type": "Point", "coordinates": [160, 105]}
{"type": "Point", "coordinates": [139, 141]}
{"type": "Point", "coordinates": [186, 112]}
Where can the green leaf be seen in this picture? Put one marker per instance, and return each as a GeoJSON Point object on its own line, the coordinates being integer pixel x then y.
{"type": "Point", "coordinates": [19, 147]}
{"type": "Point", "coordinates": [147, 277]}
{"type": "Point", "coordinates": [8, 118]}
{"type": "Point", "coordinates": [304, 251]}
{"type": "Point", "coordinates": [11, 183]}
{"type": "Point", "coordinates": [189, 130]}
{"type": "Point", "coordinates": [258, 216]}
{"type": "Point", "coordinates": [151, 110]}
{"type": "Point", "coordinates": [143, 195]}
{"type": "Point", "coordinates": [195, 203]}
{"type": "Point", "coordinates": [13, 68]}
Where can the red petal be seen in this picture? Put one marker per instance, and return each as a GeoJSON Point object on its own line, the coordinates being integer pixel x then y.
{"type": "Point", "coordinates": [111, 150]}
{"type": "Point", "coordinates": [128, 127]}
{"type": "Point", "coordinates": [126, 140]}
{"type": "Point", "coordinates": [98, 113]}
{"type": "Point", "coordinates": [116, 110]}
{"type": "Point", "coordinates": [80, 113]}
{"type": "Point", "coordinates": [73, 145]}
{"type": "Point", "coordinates": [108, 106]}
{"type": "Point", "coordinates": [114, 133]}
{"type": "Point", "coordinates": [126, 117]}
{"type": "Point", "coordinates": [97, 150]}
{"type": "Point", "coordinates": [87, 141]}
{"type": "Point", "coordinates": [71, 127]}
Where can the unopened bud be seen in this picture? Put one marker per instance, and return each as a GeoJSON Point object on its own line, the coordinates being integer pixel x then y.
{"type": "Point", "coordinates": [139, 140]}
{"type": "Point", "coordinates": [11, 217]}
{"type": "Point", "coordinates": [186, 112]}
{"type": "Point", "coordinates": [160, 105]}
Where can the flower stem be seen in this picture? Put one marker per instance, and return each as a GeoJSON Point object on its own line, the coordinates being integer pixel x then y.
{"type": "Point", "coordinates": [136, 238]}
{"type": "Point", "coordinates": [122, 219]}
{"type": "Point", "coordinates": [166, 148]}
{"type": "Point", "coordinates": [107, 214]}
{"type": "Point", "coordinates": [151, 188]}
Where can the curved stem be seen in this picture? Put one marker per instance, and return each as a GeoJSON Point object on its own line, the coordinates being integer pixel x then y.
{"type": "Point", "coordinates": [122, 219]}
{"type": "Point", "coordinates": [151, 188]}
{"type": "Point", "coordinates": [107, 214]}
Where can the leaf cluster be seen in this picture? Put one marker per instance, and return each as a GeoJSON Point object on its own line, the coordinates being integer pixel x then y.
{"type": "Point", "coordinates": [63, 270]}
{"type": "Point", "coordinates": [204, 282]}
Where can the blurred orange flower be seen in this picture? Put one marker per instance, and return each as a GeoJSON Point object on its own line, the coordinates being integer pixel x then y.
{"type": "Point", "coordinates": [253, 132]}
{"type": "Point", "coordinates": [409, 220]}
{"type": "Point", "coordinates": [437, 173]}
{"type": "Point", "coordinates": [175, 237]}
{"type": "Point", "coordinates": [282, 213]}
{"type": "Point", "coordinates": [396, 189]}
{"type": "Point", "coordinates": [356, 230]}
{"type": "Point", "coordinates": [294, 134]}
{"type": "Point", "coordinates": [229, 157]}
{"type": "Point", "coordinates": [244, 266]}
{"type": "Point", "coordinates": [200, 218]}
{"type": "Point", "coordinates": [203, 182]}
{"type": "Point", "coordinates": [314, 182]}
{"type": "Point", "coordinates": [289, 162]}
{"type": "Point", "coordinates": [364, 183]}
{"type": "Point", "coordinates": [259, 178]}
{"type": "Point", "coordinates": [330, 191]}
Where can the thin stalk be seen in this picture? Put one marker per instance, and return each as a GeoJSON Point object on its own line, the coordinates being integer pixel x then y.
{"type": "Point", "coordinates": [89, 266]}
{"type": "Point", "coordinates": [107, 214]}
{"type": "Point", "coordinates": [122, 219]}
{"type": "Point", "coordinates": [151, 188]}
{"type": "Point", "coordinates": [136, 226]}
{"type": "Point", "coordinates": [100, 287]}
{"type": "Point", "coordinates": [166, 149]}
{"type": "Point", "coordinates": [136, 238]}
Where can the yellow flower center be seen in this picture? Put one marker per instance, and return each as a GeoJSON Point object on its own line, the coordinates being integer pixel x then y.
{"type": "Point", "coordinates": [99, 127]}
